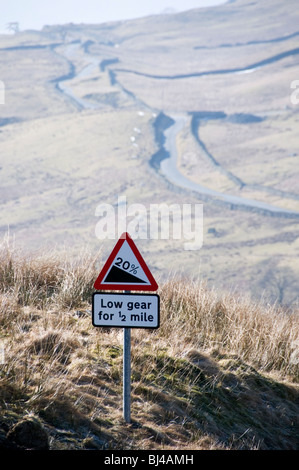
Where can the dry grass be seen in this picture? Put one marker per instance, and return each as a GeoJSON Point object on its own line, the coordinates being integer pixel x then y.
{"type": "Point", "coordinates": [219, 372]}
{"type": "Point", "coordinates": [264, 335]}
{"type": "Point", "coordinates": [46, 278]}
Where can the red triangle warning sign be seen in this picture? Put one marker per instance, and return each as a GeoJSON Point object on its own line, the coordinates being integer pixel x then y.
{"type": "Point", "coordinates": [125, 269]}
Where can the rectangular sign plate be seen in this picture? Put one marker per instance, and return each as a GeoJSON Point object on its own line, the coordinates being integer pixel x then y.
{"type": "Point", "coordinates": [125, 310]}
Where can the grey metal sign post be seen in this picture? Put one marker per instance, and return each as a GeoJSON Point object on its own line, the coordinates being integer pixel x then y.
{"type": "Point", "coordinates": [127, 375]}
{"type": "Point", "coordinates": [126, 310]}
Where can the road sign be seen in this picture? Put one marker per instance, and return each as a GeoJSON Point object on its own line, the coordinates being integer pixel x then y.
{"type": "Point", "coordinates": [126, 310]}
{"type": "Point", "coordinates": [125, 269]}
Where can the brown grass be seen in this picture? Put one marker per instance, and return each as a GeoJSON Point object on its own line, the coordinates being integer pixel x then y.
{"type": "Point", "coordinates": [46, 278]}
{"type": "Point", "coordinates": [210, 353]}
{"type": "Point", "coordinates": [264, 335]}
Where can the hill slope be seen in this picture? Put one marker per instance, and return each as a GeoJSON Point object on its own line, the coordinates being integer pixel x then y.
{"type": "Point", "coordinates": [220, 372]}
{"type": "Point", "coordinates": [78, 129]}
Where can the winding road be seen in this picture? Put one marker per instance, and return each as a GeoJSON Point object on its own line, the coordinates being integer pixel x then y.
{"type": "Point", "coordinates": [168, 166]}
{"type": "Point", "coordinates": [170, 170]}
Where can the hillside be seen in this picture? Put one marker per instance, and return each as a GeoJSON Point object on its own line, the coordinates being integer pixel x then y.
{"type": "Point", "coordinates": [80, 127]}
{"type": "Point", "coordinates": [219, 373]}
